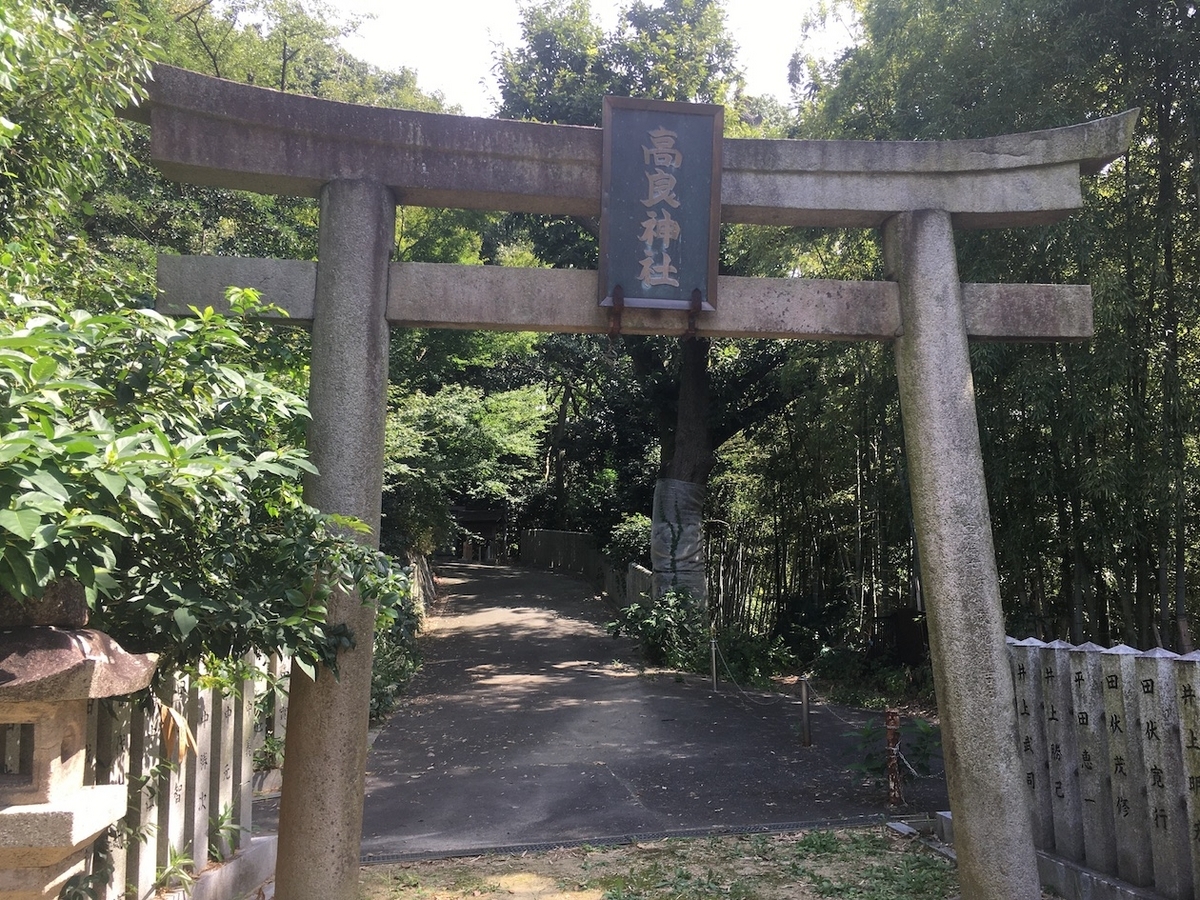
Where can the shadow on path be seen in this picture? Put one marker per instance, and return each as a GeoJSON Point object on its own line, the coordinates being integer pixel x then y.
{"type": "Point", "coordinates": [529, 725]}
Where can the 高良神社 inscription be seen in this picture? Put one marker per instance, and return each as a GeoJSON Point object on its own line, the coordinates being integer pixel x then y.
{"type": "Point", "coordinates": [660, 213]}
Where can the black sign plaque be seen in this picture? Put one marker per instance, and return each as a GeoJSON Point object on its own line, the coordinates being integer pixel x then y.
{"type": "Point", "coordinates": [660, 218]}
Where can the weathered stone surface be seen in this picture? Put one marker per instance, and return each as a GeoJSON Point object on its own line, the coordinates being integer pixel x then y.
{"type": "Point", "coordinates": [62, 603]}
{"type": "Point", "coordinates": [320, 812]}
{"type": "Point", "coordinates": [56, 757]}
{"type": "Point", "coordinates": [1087, 691]}
{"type": "Point", "coordinates": [435, 295]}
{"type": "Point", "coordinates": [993, 837]}
{"type": "Point", "coordinates": [209, 131]}
{"type": "Point", "coordinates": [1187, 684]}
{"type": "Point", "coordinates": [240, 876]}
{"type": "Point", "coordinates": [36, 835]}
{"type": "Point", "coordinates": [44, 663]}
{"type": "Point", "coordinates": [1131, 814]}
{"type": "Point", "coordinates": [1166, 783]}
{"type": "Point", "coordinates": [185, 282]}
{"type": "Point", "coordinates": [1067, 879]}
{"type": "Point", "coordinates": [1066, 802]}
{"type": "Point", "coordinates": [1025, 661]}
{"type": "Point", "coordinates": [41, 882]}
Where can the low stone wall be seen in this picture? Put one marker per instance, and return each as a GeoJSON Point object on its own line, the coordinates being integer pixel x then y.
{"type": "Point", "coordinates": [424, 588]}
{"type": "Point", "coordinates": [575, 553]}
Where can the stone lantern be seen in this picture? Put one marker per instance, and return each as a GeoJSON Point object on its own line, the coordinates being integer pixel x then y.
{"type": "Point", "coordinates": [48, 817]}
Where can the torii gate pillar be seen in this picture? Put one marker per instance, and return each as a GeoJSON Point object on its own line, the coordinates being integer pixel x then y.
{"type": "Point", "coordinates": [327, 731]}
{"type": "Point", "coordinates": [958, 562]}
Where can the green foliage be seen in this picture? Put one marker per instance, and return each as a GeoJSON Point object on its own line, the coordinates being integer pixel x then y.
{"type": "Point", "coordinates": [629, 542]}
{"type": "Point", "coordinates": [178, 873]}
{"type": "Point", "coordinates": [224, 834]}
{"type": "Point", "coordinates": [289, 45]}
{"type": "Point", "coordinates": [854, 678]}
{"type": "Point", "coordinates": [1089, 462]}
{"type": "Point", "coordinates": [62, 77]}
{"type": "Point", "coordinates": [670, 631]}
{"type": "Point", "coordinates": [456, 443]}
{"type": "Point", "coordinates": [119, 423]}
{"type": "Point", "coordinates": [269, 754]}
{"type": "Point", "coordinates": [395, 662]}
{"type": "Point", "coordinates": [676, 50]}
{"type": "Point", "coordinates": [565, 65]}
{"type": "Point", "coordinates": [141, 459]}
{"type": "Point", "coordinates": [752, 659]}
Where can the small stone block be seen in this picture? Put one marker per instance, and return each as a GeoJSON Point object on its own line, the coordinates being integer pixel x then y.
{"type": "Point", "coordinates": [903, 829]}
{"type": "Point", "coordinates": [944, 826]}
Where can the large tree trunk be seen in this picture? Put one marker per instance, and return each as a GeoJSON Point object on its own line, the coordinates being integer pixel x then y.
{"type": "Point", "coordinates": [677, 536]}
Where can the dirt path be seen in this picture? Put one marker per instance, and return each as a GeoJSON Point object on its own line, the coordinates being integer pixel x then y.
{"type": "Point", "coordinates": [529, 725]}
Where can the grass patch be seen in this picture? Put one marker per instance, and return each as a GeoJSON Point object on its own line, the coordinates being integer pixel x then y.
{"type": "Point", "coordinates": [861, 864]}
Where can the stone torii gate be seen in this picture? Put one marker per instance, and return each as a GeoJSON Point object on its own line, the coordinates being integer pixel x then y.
{"type": "Point", "coordinates": [362, 161]}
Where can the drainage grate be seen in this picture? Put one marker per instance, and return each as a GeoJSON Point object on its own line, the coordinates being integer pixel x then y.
{"type": "Point", "coordinates": [378, 859]}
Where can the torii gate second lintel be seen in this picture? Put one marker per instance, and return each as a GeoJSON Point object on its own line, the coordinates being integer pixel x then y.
{"type": "Point", "coordinates": [361, 161]}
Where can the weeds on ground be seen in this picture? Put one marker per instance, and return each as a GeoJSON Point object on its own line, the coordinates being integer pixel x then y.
{"type": "Point", "coordinates": [855, 865]}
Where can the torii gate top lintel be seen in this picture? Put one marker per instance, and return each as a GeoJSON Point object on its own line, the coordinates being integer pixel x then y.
{"type": "Point", "coordinates": [221, 133]}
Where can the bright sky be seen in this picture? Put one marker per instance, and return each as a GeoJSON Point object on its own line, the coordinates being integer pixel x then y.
{"type": "Point", "coordinates": [451, 43]}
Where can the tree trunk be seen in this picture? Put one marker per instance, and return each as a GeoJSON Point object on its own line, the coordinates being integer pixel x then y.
{"type": "Point", "coordinates": [677, 536]}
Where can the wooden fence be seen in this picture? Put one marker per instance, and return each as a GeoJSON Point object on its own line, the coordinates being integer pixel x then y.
{"type": "Point", "coordinates": [1110, 747]}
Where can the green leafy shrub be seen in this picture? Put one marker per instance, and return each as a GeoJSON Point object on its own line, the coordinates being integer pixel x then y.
{"type": "Point", "coordinates": [629, 541]}
{"type": "Point", "coordinates": [395, 662]}
{"type": "Point", "coordinates": [753, 658]}
{"type": "Point", "coordinates": [149, 460]}
{"type": "Point", "coordinates": [670, 632]}
{"type": "Point", "coordinates": [62, 76]}
{"type": "Point", "coordinates": [269, 754]}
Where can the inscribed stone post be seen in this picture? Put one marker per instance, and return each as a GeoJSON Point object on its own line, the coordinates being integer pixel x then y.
{"type": "Point", "coordinates": [172, 814]}
{"type": "Point", "coordinates": [1166, 786]}
{"type": "Point", "coordinates": [1062, 763]}
{"type": "Point", "coordinates": [222, 786]}
{"type": "Point", "coordinates": [198, 809]}
{"type": "Point", "coordinates": [1131, 816]}
{"type": "Point", "coordinates": [144, 802]}
{"type": "Point", "coordinates": [1091, 737]}
{"type": "Point", "coordinates": [992, 834]}
{"type": "Point", "coordinates": [243, 762]}
{"type": "Point", "coordinates": [1026, 661]}
{"type": "Point", "coordinates": [1187, 687]}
